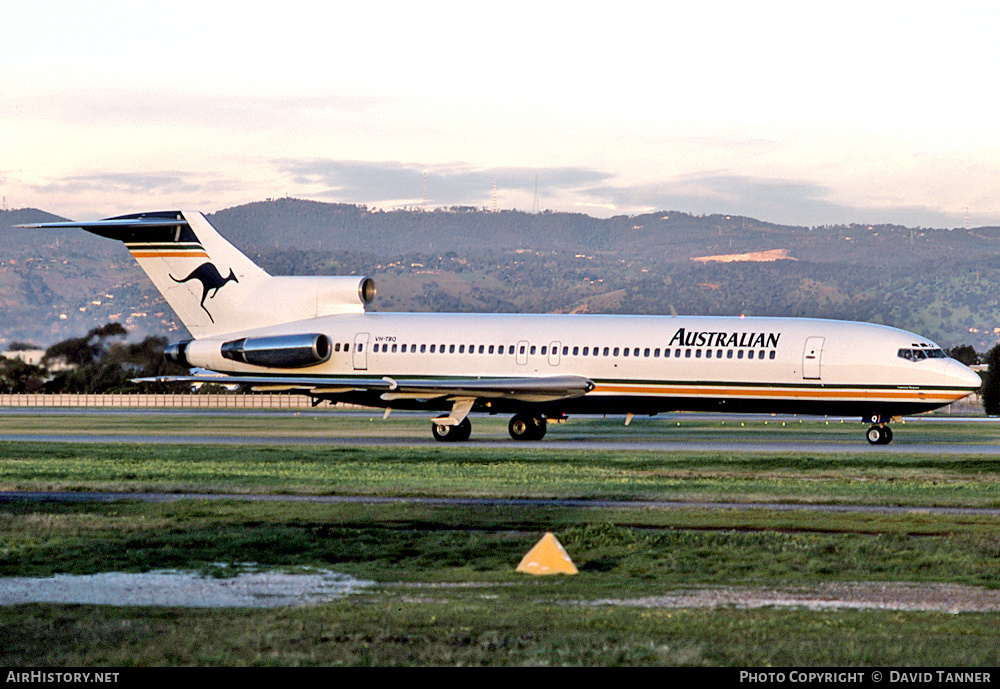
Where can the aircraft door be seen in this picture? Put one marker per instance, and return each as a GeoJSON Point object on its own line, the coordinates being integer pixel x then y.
{"type": "Point", "coordinates": [361, 352]}
{"type": "Point", "coordinates": [554, 353]}
{"type": "Point", "coordinates": [812, 358]}
{"type": "Point", "coordinates": [522, 353]}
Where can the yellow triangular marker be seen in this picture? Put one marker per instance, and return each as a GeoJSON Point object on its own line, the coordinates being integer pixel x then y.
{"type": "Point", "coordinates": [547, 557]}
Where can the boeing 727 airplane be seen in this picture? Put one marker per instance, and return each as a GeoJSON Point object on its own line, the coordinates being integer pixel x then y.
{"type": "Point", "coordinates": [312, 335]}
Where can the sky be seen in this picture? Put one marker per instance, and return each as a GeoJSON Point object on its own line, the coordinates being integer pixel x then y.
{"type": "Point", "coordinates": [799, 113]}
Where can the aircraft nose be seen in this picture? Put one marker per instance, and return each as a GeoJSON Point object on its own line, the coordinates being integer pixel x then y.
{"type": "Point", "coordinates": [963, 376]}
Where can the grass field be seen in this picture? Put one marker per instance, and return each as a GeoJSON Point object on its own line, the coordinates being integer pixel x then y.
{"type": "Point", "coordinates": [447, 592]}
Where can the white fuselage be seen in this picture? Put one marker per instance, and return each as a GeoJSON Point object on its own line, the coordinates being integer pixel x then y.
{"type": "Point", "coordinates": [640, 364]}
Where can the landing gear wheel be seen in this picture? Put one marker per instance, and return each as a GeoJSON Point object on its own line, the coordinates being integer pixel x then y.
{"type": "Point", "coordinates": [526, 427]}
{"type": "Point", "coordinates": [452, 434]}
{"type": "Point", "coordinates": [879, 435]}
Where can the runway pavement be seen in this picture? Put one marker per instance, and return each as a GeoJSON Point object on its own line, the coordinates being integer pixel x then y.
{"type": "Point", "coordinates": [900, 444]}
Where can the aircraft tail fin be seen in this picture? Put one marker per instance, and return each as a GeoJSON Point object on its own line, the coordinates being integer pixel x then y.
{"type": "Point", "coordinates": [211, 285]}
{"type": "Point", "coordinates": [200, 274]}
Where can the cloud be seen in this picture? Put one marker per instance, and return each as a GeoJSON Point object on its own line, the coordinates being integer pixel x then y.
{"type": "Point", "coordinates": [454, 184]}
{"type": "Point", "coordinates": [101, 194]}
{"type": "Point", "coordinates": [123, 182]}
{"type": "Point", "coordinates": [127, 108]}
{"type": "Point", "coordinates": [784, 201]}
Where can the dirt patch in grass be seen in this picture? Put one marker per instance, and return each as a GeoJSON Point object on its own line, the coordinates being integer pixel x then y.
{"type": "Point", "coordinates": [834, 596]}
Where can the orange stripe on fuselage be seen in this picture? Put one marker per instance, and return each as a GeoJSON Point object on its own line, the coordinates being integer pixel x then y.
{"type": "Point", "coordinates": [168, 254]}
{"type": "Point", "coordinates": [773, 393]}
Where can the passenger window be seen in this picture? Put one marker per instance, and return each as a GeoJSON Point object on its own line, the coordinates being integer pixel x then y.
{"type": "Point", "coordinates": [566, 350]}
{"type": "Point", "coordinates": [532, 350]}
{"type": "Point", "coordinates": [697, 354]}
{"type": "Point", "coordinates": [656, 353]}
{"type": "Point", "coordinates": [606, 350]}
{"type": "Point", "coordinates": [433, 348]}
{"type": "Point", "coordinates": [423, 348]}
{"type": "Point", "coordinates": [666, 353]}
{"type": "Point", "coordinates": [481, 349]}
{"type": "Point", "coordinates": [729, 354]}
{"type": "Point", "coordinates": [750, 354]}
{"type": "Point", "coordinates": [394, 348]}
{"type": "Point", "coordinates": [625, 353]}
{"type": "Point", "coordinates": [708, 353]}
{"type": "Point", "coordinates": [739, 354]}
{"type": "Point", "coordinates": [336, 347]}
{"type": "Point", "coordinates": [543, 350]}
{"type": "Point", "coordinates": [772, 355]}
{"type": "Point", "coordinates": [617, 349]}
{"type": "Point", "coordinates": [576, 350]}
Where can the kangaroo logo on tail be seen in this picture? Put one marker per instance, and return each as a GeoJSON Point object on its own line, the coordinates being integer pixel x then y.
{"type": "Point", "coordinates": [211, 281]}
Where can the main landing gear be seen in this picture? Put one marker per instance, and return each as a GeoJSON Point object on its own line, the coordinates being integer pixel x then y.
{"type": "Point", "coordinates": [452, 434]}
{"type": "Point", "coordinates": [879, 433]}
{"type": "Point", "coordinates": [521, 427]}
{"type": "Point", "coordinates": [527, 427]}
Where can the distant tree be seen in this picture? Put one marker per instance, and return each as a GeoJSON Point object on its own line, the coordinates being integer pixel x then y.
{"type": "Point", "coordinates": [22, 347]}
{"type": "Point", "coordinates": [18, 377]}
{"type": "Point", "coordinates": [965, 354]}
{"type": "Point", "coordinates": [101, 362]}
{"type": "Point", "coordinates": [80, 351]}
{"type": "Point", "coordinates": [991, 382]}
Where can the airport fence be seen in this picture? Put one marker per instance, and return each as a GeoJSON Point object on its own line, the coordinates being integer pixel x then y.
{"type": "Point", "coordinates": [186, 400]}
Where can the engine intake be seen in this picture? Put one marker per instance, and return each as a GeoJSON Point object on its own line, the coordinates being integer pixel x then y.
{"type": "Point", "coordinates": [280, 351]}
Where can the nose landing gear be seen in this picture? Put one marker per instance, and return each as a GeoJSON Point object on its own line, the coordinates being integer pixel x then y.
{"type": "Point", "coordinates": [879, 433]}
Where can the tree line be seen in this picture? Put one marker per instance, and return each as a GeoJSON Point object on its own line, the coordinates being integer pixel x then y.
{"type": "Point", "coordinates": [100, 361]}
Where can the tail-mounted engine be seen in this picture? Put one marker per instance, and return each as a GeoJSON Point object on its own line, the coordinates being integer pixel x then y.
{"type": "Point", "coordinates": [280, 351]}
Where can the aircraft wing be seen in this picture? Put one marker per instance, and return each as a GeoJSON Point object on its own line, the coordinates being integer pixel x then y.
{"type": "Point", "coordinates": [541, 389]}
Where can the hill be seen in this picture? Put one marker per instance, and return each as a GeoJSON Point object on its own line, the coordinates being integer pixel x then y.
{"type": "Point", "coordinates": [939, 282]}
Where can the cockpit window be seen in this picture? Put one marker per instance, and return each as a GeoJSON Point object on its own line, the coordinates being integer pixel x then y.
{"type": "Point", "coordinates": [920, 354]}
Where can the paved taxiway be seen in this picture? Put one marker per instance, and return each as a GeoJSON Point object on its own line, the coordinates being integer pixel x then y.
{"type": "Point", "coordinates": [557, 439]}
{"type": "Point", "coordinates": [899, 446]}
